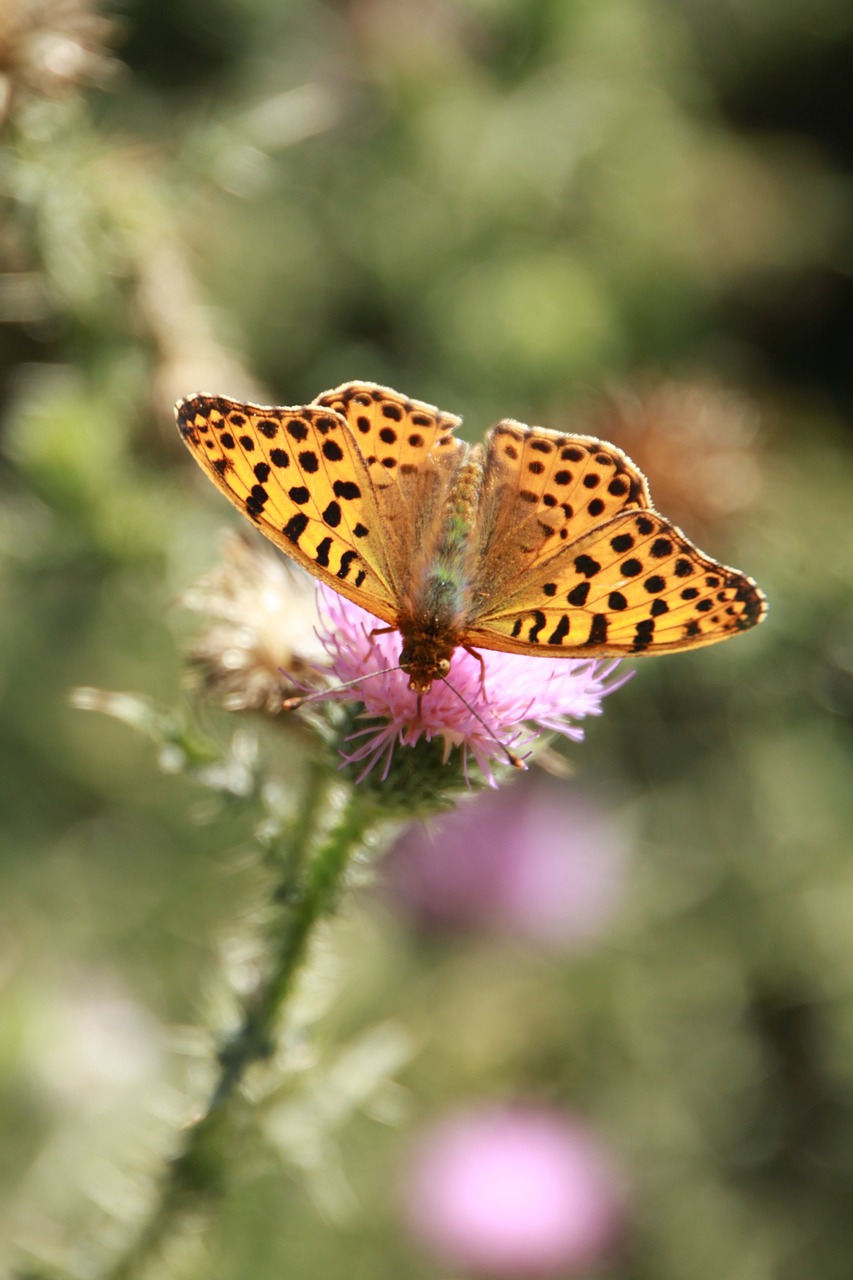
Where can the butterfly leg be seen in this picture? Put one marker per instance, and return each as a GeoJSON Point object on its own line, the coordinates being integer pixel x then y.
{"type": "Point", "coordinates": [380, 631]}
{"type": "Point", "coordinates": [475, 653]}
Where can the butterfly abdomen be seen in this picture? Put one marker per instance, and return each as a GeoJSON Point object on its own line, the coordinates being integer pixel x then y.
{"type": "Point", "coordinates": [438, 602]}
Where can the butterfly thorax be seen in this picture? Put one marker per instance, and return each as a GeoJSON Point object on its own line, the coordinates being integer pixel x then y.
{"type": "Point", "coordinates": [438, 601]}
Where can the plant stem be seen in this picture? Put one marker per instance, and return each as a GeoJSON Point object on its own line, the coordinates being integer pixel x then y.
{"type": "Point", "coordinates": [304, 896]}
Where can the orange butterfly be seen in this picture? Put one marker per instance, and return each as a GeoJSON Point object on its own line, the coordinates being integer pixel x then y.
{"type": "Point", "coordinates": [536, 542]}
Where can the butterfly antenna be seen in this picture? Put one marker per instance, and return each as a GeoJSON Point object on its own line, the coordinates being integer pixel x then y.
{"type": "Point", "coordinates": [293, 704]}
{"type": "Point", "coordinates": [514, 760]}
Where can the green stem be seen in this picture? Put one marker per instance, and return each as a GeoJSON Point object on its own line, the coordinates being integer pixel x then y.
{"type": "Point", "coordinates": [305, 906]}
{"type": "Point", "coordinates": [196, 1173]}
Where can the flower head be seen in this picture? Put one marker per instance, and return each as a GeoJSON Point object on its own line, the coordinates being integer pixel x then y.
{"type": "Point", "coordinates": [700, 441]}
{"type": "Point", "coordinates": [514, 1191]}
{"type": "Point", "coordinates": [541, 863]}
{"type": "Point", "coordinates": [271, 636]}
{"type": "Point", "coordinates": [481, 713]}
{"type": "Point", "coordinates": [51, 47]}
{"type": "Point", "coordinates": [262, 639]}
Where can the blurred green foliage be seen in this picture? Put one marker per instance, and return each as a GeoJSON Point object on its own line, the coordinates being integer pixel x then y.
{"type": "Point", "coordinates": [506, 208]}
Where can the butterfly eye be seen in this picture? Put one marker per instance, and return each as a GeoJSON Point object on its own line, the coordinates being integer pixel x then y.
{"type": "Point", "coordinates": [443, 666]}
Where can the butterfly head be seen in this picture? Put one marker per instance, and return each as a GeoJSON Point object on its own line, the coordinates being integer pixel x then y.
{"type": "Point", "coordinates": [425, 658]}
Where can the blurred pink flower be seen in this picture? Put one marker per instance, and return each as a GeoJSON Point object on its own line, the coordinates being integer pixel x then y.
{"type": "Point", "coordinates": [521, 694]}
{"type": "Point", "coordinates": [514, 1191]}
{"type": "Point", "coordinates": [538, 862]}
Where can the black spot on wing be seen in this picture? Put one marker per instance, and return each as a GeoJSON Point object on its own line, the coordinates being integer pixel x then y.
{"type": "Point", "coordinates": [537, 625]}
{"type": "Point", "coordinates": [332, 515]}
{"type": "Point", "coordinates": [256, 500]}
{"type": "Point", "coordinates": [346, 563]}
{"type": "Point", "coordinates": [587, 566]}
{"type": "Point", "coordinates": [598, 629]}
{"type": "Point", "coordinates": [297, 429]}
{"type": "Point", "coordinates": [295, 527]}
{"type": "Point", "coordinates": [561, 630]}
{"type": "Point", "coordinates": [643, 635]}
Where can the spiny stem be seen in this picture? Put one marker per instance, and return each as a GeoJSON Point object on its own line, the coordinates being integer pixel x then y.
{"type": "Point", "coordinates": [305, 895]}
{"type": "Point", "coordinates": [306, 905]}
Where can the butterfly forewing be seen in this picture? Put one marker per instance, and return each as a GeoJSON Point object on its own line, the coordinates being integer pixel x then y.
{"type": "Point", "coordinates": [398, 437]}
{"type": "Point", "coordinates": [297, 473]}
{"type": "Point", "coordinates": [634, 585]}
{"type": "Point", "coordinates": [412, 458]}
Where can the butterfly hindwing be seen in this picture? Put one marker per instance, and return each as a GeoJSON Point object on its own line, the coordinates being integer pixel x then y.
{"type": "Point", "coordinates": [634, 585]}
{"type": "Point", "coordinates": [298, 475]}
{"type": "Point", "coordinates": [544, 490]}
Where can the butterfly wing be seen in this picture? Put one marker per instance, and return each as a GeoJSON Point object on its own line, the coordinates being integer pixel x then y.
{"type": "Point", "coordinates": [596, 572]}
{"type": "Point", "coordinates": [298, 474]}
{"type": "Point", "coordinates": [397, 436]}
{"type": "Point", "coordinates": [412, 458]}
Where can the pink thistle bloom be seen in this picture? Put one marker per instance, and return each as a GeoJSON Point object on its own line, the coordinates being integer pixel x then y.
{"type": "Point", "coordinates": [515, 1192]}
{"type": "Point", "coordinates": [539, 862]}
{"type": "Point", "coordinates": [521, 694]}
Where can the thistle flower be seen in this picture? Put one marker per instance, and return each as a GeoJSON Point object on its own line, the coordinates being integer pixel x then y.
{"type": "Point", "coordinates": [482, 717]}
{"type": "Point", "coordinates": [701, 443]}
{"type": "Point", "coordinates": [262, 645]}
{"type": "Point", "coordinates": [51, 47]}
{"type": "Point", "coordinates": [514, 1191]}
{"type": "Point", "coordinates": [272, 637]}
{"type": "Point", "coordinates": [541, 863]}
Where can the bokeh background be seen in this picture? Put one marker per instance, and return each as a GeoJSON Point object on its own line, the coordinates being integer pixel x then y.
{"type": "Point", "coordinates": [631, 217]}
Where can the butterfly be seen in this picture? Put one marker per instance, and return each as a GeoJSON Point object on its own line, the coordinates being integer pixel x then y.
{"type": "Point", "coordinates": [534, 542]}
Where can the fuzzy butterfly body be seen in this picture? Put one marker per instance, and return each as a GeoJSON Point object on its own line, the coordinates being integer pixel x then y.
{"type": "Point", "coordinates": [535, 542]}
